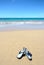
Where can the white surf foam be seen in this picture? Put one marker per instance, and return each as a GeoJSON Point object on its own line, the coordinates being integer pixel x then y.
{"type": "Point", "coordinates": [20, 23]}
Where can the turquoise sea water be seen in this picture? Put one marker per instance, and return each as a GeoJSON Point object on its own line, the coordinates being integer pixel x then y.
{"type": "Point", "coordinates": [21, 23]}
{"type": "Point", "coordinates": [21, 19]}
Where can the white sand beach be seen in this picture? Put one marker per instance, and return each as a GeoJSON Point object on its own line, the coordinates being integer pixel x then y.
{"type": "Point", "coordinates": [11, 42]}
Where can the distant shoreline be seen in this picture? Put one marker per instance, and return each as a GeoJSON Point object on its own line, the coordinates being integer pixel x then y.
{"type": "Point", "coordinates": [29, 25]}
{"type": "Point", "coordinates": [21, 22]}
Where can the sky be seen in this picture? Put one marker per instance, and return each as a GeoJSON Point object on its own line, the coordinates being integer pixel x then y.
{"type": "Point", "coordinates": [21, 8]}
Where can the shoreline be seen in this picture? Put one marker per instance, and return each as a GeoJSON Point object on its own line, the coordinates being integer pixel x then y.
{"type": "Point", "coordinates": [25, 25]}
{"type": "Point", "coordinates": [21, 27]}
{"type": "Point", "coordinates": [21, 22]}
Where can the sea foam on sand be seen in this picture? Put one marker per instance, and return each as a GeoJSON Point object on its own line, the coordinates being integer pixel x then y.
{"type": "Point", "coordinates": [21, 25]}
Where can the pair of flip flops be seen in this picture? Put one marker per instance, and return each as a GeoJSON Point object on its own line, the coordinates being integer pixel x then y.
{"type": "Point", "coordinates": [24, 52]}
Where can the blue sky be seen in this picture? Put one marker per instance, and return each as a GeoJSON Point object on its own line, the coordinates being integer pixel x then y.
{"type": "Point", "coordinates": [21, 8]}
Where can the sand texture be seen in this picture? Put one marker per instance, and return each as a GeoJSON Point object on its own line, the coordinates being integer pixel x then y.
{"type": "Point", "coordinates": [11, 42]}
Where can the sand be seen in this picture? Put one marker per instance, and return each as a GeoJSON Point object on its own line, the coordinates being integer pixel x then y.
{"type": "Point", "coordinates": [11, 42]}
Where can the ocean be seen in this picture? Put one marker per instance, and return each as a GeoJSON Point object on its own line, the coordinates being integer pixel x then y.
{"type": "Point", "coordinates": [21, 19]}
{"type": "Point", "coordinates": [21, 23]}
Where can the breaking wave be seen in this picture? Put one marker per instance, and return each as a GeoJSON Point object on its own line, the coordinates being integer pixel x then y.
{"type": "Point", "coordinates": [20, 23]}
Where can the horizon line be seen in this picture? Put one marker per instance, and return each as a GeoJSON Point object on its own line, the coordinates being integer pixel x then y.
{"type": "Point", "coordinates": [21, 17]}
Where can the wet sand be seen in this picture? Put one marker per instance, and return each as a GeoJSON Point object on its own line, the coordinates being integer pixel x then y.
{"type": "Point", "coordinates": [11, 42]}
